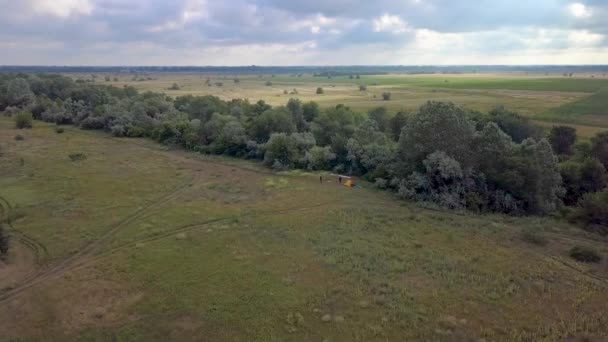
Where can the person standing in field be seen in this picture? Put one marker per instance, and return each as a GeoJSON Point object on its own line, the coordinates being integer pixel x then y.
{"type": "Point", "coordinates": [340, 179]}
{"type": "Point", "coordinates": [320, 179]}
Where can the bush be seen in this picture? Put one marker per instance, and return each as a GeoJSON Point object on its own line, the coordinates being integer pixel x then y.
{"type": "Point", "coordinates": [386, 96]}
{"type": "Point", "coordinates": [268, 83]}
{"type": "Point", "coordinates": [19, 137]}
{"type": "Point", "coordinates": [23, 120]}
{"type": "Point", "coordinates": [59, 130]}
{"type": "Point", "coordinates": [534, 237]}
{"type": "Point", "coordinates": [592, 212]}
{"type": "Point", "coordinates": [4, 240]}
{"type": "Point", "coordinates": [585, 254]}
{"type": "Point", "coordinates": [320, 91]}
{"type": "Point", "coordinates": [175, 86]}
{"type": "Point", "coordinates": [362, 87]}
{"type": "Point", "coordinates": [77, 157]}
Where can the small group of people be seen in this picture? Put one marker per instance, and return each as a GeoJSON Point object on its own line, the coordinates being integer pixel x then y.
{"type": "Point", "coordinates": [339, 179]}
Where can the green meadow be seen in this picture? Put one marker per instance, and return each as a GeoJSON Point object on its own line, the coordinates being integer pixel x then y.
{"type": "Point", "coordinates": [133, 241]}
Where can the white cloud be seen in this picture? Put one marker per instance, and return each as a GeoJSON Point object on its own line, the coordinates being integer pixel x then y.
{"type": "Point", "coordinates": [584, 38]}
{"type": "Point", "coordinates": [192, 11]}
{"type": "Point", "coordinates": [433, 40]}
{"type": "Point", "coordinates": [389, 23]}
{"type": "Point", "coordinates": [579, 10]}
{"type": "Point", "coordinates": [61, 8]}
{"type": "Point", "coordinates": [314, 24]}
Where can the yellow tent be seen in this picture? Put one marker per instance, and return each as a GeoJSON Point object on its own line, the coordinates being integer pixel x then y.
{"type": "Point", "coordinates": [349, 183]}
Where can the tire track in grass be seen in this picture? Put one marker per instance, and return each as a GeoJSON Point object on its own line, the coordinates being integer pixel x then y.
{"type": "Point", "coordinates": [186, 228]}
{"type": "Point", "coordinates": [87, 259]}
{"type": "Point", "coordinates": [90, 248]}
{"type": "Point", "coordinates": [37, 248]}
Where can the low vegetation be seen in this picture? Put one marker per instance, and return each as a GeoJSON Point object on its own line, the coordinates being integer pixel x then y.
{"type": "Point", "coordinates": [585, 254]}
{"type": "Point", "coordinates": [4, 242]}
{"type": "Point", "coordinates": [23, 120]}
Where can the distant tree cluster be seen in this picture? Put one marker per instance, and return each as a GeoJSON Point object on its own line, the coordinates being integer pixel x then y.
{"type": "Point", "coordinates": [442, 154]}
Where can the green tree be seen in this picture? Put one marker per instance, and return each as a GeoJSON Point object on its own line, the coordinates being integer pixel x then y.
{"type": "Point", "coordinates": [599, 148]}
{"type": "Point", "coordinates": [515, 125]}
{"type": "Point", "coordinates": [276, 120]}
{"type": "Point", "coordinates": [562, 138]}
{"type": "Point", "coordinates": [336, 123]}
{"type": "Point", "coordinates": [592, 212]}
{"type": "Point", "coordinates": [380, 116]}
{"type": "Point", "coordinates": [581, 177]}
{"type": "Point", "coordinates": [18, 93]}
{"type": "Point", "coordinates": [295, 107]}
{"type": "Point", "coordinates": [281, 151]}
{"type": "Point", "coordinates": [310, 110]}
{"type": "Point", "coordinates": [437, 126]}
{"type": "Point", "coordinates": [319, 158]}
{"type": "Point", "coordinates": [541, 188]}
{"type": "Point", "coordinates": [396, 124]}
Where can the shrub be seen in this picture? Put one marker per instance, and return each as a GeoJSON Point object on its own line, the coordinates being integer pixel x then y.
{"type": "Point", "coordinates": [381, 183]}
{"type": "Point", "coordinates": [4, 240]}
{"type": "Point", "coordinates": [534, 237]}
{"type": "Point", "coordinates": [19, 137]}
{"type": "Point", "coordinates": [268, 83]}
{"type": "Point", "coordinates": [175, 86]}
{"type": "Point", "coordinates": [77, 157]}
{"type": "Point", "coordinates": [320, 91]}
{"type": "Point", "coordinates": [386, 96]}
{"type": "Point", "coordinates": [585, 254]}
{"type": "Point", "coordinates": [59, 129]}
{"type": "Point", "coordinates": [592, 212]}
{"type": "Point", "coordinates": [362, 87]}
{"type": "Point", "coordinates": [23, 120]}
{"type": "Point", "coordinates": [118, 130]}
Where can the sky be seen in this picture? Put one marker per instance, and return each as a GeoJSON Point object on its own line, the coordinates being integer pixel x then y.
{"type": "Point", "coordinates": [303, 32]}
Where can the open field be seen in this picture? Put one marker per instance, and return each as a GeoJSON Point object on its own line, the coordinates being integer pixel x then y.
{"type": "Point", "coordinates": [135, 242]}
{"type": "Point", "coordinates": [579, 101]}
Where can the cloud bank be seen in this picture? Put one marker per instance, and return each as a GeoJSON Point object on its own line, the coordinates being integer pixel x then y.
{"type": "Point", "coordinates": [312, 32]}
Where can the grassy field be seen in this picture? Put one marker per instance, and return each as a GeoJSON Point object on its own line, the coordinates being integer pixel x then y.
{"type": "Point", "coordinates": [579, 101]}
{"type": "Point", "coordinates": [139, 243]}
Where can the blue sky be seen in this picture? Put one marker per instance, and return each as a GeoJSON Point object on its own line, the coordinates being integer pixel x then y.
{"type": "Point", "coordinates": [310, 32]}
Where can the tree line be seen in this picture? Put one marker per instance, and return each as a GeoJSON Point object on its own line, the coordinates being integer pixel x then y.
{"type": "Point", "coordinates": [441, 154]}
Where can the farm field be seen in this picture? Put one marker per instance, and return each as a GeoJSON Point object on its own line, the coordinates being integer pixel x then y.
{"type": "Point", "coordinates": [124, 239]}
{"type": "Point", "coordinates": [580, 101]}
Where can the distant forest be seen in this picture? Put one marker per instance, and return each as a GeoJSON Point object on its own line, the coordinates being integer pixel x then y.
{"type": "Point", "coordinates": [319, 70]}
